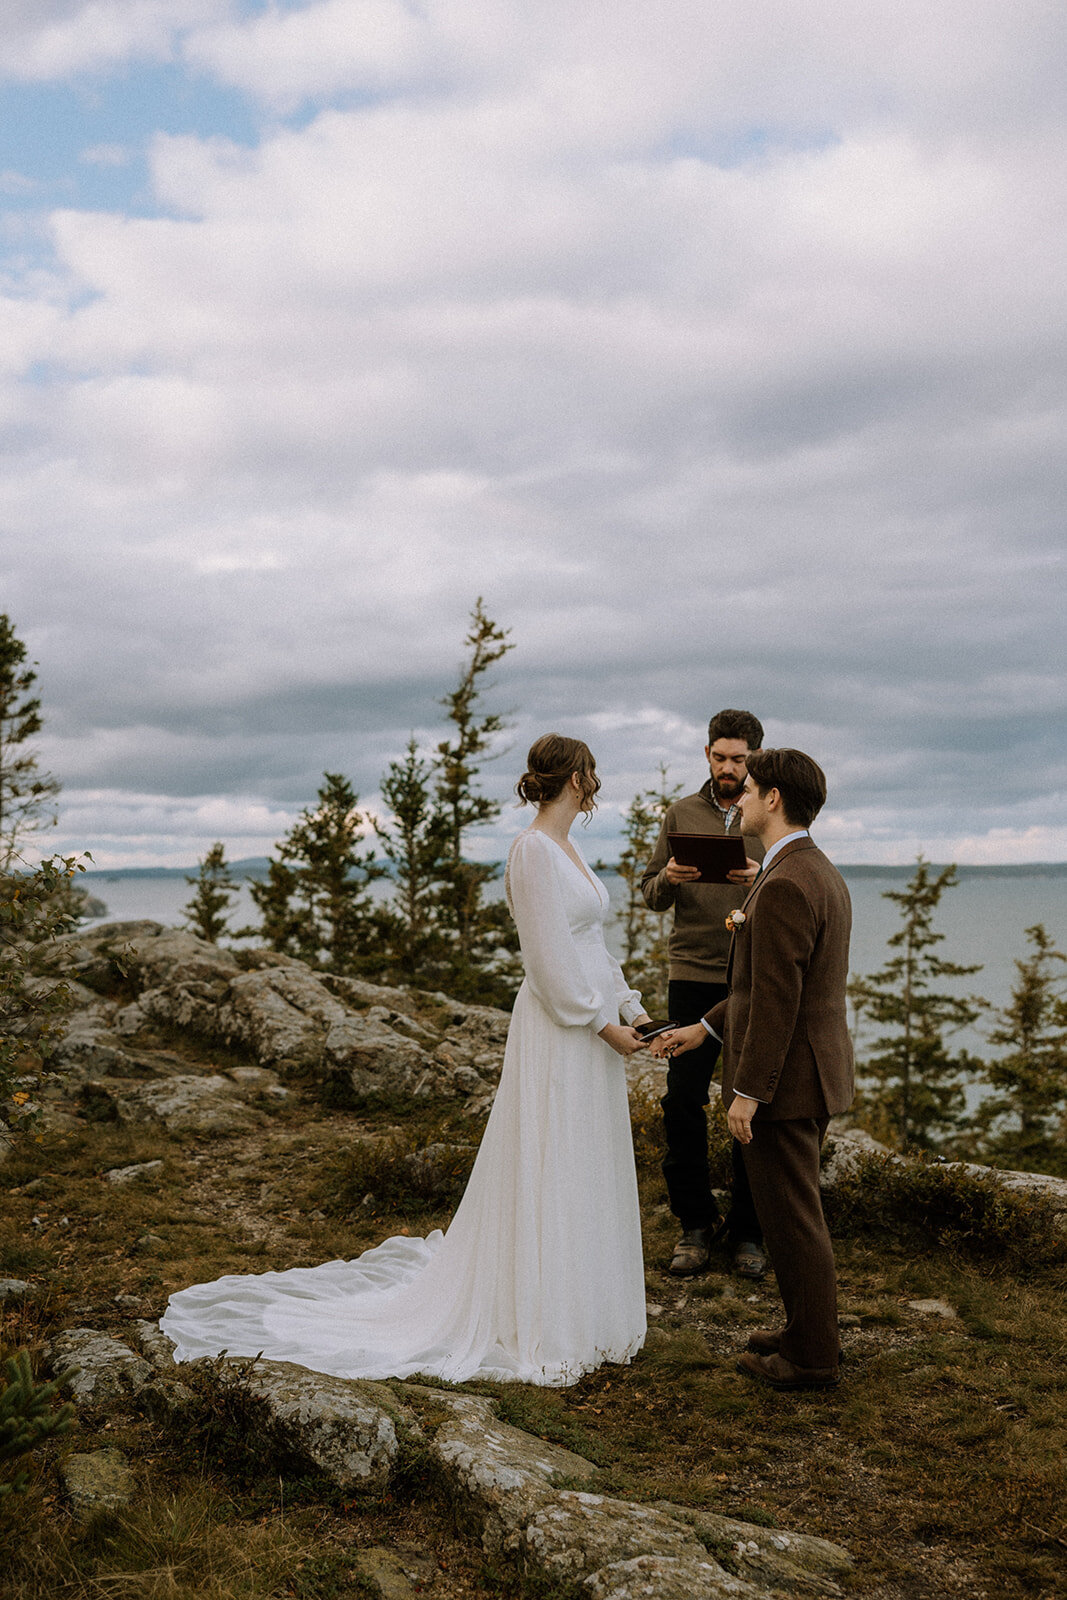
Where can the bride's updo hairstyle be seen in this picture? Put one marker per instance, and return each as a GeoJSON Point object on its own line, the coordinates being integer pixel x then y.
{"type": "Point", "coordinates": [550, 763]}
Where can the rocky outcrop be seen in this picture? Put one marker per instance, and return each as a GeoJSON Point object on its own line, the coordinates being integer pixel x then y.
{"type": "Point", "coordinates": [516, 1493]}
{"type": "Point", "coordinates": [288, 1019]}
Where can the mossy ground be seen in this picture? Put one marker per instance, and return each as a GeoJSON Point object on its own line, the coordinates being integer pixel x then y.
{"type": "Point", "coordinates": [939, 1462]}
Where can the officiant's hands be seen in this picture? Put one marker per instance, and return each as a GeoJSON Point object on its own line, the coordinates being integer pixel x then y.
{"type": "Point", "coordinates": [744, 876]}
{"type": "Point", "coordinates": [678, 1041]}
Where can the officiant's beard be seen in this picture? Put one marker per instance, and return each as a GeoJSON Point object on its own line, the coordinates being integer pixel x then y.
{"type": "Point", "coordinates": [724, 795]}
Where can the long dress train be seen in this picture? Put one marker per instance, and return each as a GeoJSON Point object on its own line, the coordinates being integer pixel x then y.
{"type": "Point", "coordinates": [539, 1276]}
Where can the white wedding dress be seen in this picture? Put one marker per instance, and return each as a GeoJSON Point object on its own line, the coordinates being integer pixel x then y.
{"type": "Point", "coordinates": [539, 1277]}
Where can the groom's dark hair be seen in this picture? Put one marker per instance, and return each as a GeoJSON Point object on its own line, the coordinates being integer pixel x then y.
{"type": "Point", "coordinates": [736, 725]}
{"type": "Point", "coordinates": [799, 780]}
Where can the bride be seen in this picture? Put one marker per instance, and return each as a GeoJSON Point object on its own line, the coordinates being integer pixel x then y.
{"type": "Point", "coordinates": [539, 1277]}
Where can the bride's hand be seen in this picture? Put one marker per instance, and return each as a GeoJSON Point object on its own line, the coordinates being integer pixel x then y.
{"type": "Point", "coordinates": [623, 1040]}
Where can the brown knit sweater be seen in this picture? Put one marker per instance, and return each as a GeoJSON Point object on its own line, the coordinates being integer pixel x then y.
{"type": "Point", "coordinates": [699, 941]}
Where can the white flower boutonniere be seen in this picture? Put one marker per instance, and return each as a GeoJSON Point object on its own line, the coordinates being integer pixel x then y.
{"type": "Point", "coordinates": [735, 920]}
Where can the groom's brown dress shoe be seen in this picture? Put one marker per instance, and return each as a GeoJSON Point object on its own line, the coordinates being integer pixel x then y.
{"type": "Point", "coordinates": [781, 1374]}
{"type": "Point", "coordinates": [764, 1342]}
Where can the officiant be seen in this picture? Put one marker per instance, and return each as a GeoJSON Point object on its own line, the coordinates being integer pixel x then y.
{"type": "Point", "coordinates": [698, 949]}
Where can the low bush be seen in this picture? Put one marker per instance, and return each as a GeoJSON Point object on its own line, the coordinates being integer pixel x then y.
{"type": "Point", "coordinates": [930, 1201]}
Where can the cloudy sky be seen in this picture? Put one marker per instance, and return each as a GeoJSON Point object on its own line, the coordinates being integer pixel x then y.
{"type": "Point", "coordinates": [720, 346]}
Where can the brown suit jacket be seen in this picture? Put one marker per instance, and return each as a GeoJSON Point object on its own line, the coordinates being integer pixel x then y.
{"type": "Point", "coordinates": [784, 1024]}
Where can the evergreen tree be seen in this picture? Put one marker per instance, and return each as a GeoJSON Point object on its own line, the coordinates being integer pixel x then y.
{"type": "Point", "coordinates": [919, 1091]}
{"type": "Point", "coordinates": [34, 908]}
{"type": "Point", "coordinates": [26, 1414]}
{"type": "Point", "coordinates": [645, 932]}
{"type": "Point", "coordinates": [26, 794]}
{"type": "Point", "coordinates": [413, 842]}
{"type": "Point", "coordinates": [477, 934]}
{"type": "Point", "coordinates": [315, 901]}
{"type": "Point", "coordinates": [1031, 1077]}
{"type": "Point", "coordinates": [207, 913]}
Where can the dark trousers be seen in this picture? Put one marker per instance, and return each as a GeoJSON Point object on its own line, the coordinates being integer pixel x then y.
{"type": "Point", "coordinates": [783, 1164]}
{"type": "Point", "coordinates": [685, 1125]}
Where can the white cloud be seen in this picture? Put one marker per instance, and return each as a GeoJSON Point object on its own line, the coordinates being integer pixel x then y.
{"type": "Point", "coordinates": [724, 358]}
{"type": "Point", "coordinates": [42, 40]}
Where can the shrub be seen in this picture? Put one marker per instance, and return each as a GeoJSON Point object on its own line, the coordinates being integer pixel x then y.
{"type": "Point", "coordinates": [926, 1200]}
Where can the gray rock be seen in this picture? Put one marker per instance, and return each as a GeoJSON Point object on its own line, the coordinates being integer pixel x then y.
{"type": "Point", "coordinates": [342, 1428]}
{"type": "Point", "coordinates": [121, 1176]}
{"type": "Point", "coordinates": [933, 1308]}
{"type": "Point", "coordinates": [187, 1102]}
{"type": "Point", "coordinates": [373, 1057]}
{"type": "Point", "coordinates": [14, 1289]}
{"type": "Point", "coordinates": [769, 1557]}
{"type": "Point", "coordinates": [395, 1574]}
{"type": "Point", "coordinates": [96, 1482]}
{"type": "Point", "coordinates": [665, 1578]}
{"type": "Point", "coordinates": [156, 1347]}
{"type": "Point", "coordinates": [108, 1369]}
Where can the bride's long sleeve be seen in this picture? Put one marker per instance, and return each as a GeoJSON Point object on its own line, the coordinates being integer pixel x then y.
{"type": "Point", "coordinates": [553, 969]}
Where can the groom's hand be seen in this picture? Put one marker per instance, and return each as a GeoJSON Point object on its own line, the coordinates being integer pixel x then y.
{"type": "Point", "coordinates": [740, 1115]}
{"type": "Point", "coordinates": [678, 1041]}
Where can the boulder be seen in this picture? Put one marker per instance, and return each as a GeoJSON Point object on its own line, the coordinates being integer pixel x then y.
{"type": "Point", "coordinates": [185, 1103]}
{"type": "Point", "coordinates": [341, 1428]}
{"type": "Point", "coordinates": [108, 1370]}
{"type": "Point", "coordinates": [99, 1481]}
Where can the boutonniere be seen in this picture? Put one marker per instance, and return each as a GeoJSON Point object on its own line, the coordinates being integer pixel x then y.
{"type": "Point", "coordinates": [735, 920]}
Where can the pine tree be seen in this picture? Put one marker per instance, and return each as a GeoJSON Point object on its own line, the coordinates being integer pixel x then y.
{"type": "Point", "coordinates": [26, 794]}
{"type": "Point", "coordinates": [645, 932]}
{"type": "Point", "coordinates": [478, 934]}
{"type": "Point", "coordinates": [26, 1414]}
{"type": "Point", "coordinates": [315, 900]}
{"type": "Point", "coordinates": [207, 913]}
{"type": "Point", "coordinates": [1031, 1076]}
{"type": "Point", "coordinates": [919, 1093]}
{"type": "Point", "coordinates": [413, 842]}
{"type": "Point", "coordinates": [34, 908]}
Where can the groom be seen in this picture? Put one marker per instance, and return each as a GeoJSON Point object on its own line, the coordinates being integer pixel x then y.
{"type": "Point", "coordinates": [787, 1057]}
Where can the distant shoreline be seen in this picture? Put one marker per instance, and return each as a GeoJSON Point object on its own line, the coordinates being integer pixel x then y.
{"type": "Point", "coordinates": [258, 866]}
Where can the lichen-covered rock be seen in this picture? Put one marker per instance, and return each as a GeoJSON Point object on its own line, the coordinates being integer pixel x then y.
{"type": "Point", "coordinates": [108, 1370]}
{"type": "Point", "coordinates": [184, 1103]}
{"type": "Point", "coordinates": [121, 1176]}
{"type": "Point", "coordinates": [794, 1563]}
{"type": "Point", "coordinates": [341, 1428]}
{"type": "Point", "coordinates": [97, 1481]}
{"type": "Point", "coordinates": [287, 1017]}
{"type": "Point", "coordinates": [666, 1578]}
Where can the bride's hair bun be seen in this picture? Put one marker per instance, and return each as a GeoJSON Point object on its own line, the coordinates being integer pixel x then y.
{"type": "Point", "coordinates": [552, 760]}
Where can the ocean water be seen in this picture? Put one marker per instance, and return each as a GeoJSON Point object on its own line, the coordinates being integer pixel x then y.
{"type": "Point", "coordinates": [984, 921]}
